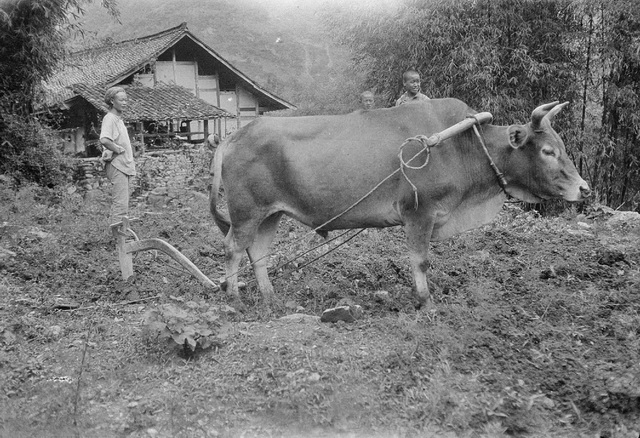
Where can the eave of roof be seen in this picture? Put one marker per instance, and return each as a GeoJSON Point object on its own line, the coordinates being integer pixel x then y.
{"type": "Point", "coordinates": [162, 102]}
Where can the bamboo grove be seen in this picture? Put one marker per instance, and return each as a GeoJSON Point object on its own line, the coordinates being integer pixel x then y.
{"type": "Point", "coordinates": [508, 56]}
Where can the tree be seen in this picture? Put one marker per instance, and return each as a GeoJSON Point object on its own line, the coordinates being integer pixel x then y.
{"type": "Point", "coordinates": [620, 175]}
{"type": "Point", "coordinates": [33, 35]}
{"type": "Point", "coordinates": [609, 131]}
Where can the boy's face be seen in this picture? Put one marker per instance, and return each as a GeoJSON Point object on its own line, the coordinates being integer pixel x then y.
{"type": "Point", "coordinates": [412, 83]}
{"type": "Point", "coordinates": [367, 101]}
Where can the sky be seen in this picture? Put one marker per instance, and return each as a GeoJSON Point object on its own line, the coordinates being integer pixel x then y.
{"type": "Point", "coordinates": [292, 5]}
{"type": "Point", "coordinates": [316, 3]}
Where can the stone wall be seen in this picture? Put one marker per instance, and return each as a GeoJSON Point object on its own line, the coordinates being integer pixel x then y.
{"type": "Point", "coordinates": [162, 176]}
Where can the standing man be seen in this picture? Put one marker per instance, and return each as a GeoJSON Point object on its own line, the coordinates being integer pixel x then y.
{"type": "Point", "coordinates": [367, 100]}
{"type": "Point", "coordinates": [118, 154]}
{"type": "Point", "coordinates": [411, 83]}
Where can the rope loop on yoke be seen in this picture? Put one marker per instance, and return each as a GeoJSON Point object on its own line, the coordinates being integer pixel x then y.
{"type": "Point", "coordinates": [425, 148]}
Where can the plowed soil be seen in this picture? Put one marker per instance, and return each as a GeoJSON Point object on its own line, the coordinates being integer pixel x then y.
{"type": "Point", "coordinates": [536, 330]}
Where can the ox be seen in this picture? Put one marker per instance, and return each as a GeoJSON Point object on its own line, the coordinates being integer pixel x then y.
{"type": "Point", "coordinates": [314, 168]}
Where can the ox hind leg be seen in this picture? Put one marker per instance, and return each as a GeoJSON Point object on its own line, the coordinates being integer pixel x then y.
{"type": "Point", "coordinates": [234, 248]}
{"type": "Point", "coordinates": [418, 238]}
{"type": "Point", "coordinates": [258, 253]}
{"type": "Point", "coordinates": [255, 238]}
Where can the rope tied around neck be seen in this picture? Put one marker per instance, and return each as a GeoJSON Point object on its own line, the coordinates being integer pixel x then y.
{"type": "Point", "coordinates": [501, 179]}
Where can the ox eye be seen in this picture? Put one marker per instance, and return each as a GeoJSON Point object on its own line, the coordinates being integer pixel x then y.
{"type": "Point", "coordinates": [548, 151]}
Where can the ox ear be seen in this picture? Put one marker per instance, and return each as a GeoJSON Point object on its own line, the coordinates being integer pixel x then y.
{"type": "Point", "coordinates": [517, 136]}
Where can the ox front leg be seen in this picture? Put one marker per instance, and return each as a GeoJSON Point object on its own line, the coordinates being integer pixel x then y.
{"type": "Point", "coordinates": [418, 238]}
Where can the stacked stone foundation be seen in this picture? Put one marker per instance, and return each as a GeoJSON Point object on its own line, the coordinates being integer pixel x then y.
{"type": "Point", "coordinates": [162, 177]}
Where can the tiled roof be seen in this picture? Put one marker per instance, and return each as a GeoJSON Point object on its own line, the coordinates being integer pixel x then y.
{"type": "Point", "coordinates": [109, 64]}
{"type": "Point", "coordinates": [162, 102]}
{"type": "Point", "coordinates": [106, 64]}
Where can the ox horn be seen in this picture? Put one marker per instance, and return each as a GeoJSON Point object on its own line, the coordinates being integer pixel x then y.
{"type": "Point", "coordinates": [540, 113]}
{"type": "Point", "coordinates": [555, 110]}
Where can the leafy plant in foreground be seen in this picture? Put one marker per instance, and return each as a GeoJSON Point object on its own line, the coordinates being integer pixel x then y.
{"type": "Point", "coordinates": [192, 328]}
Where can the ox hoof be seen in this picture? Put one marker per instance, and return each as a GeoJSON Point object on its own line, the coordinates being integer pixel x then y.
{"type": "Point", "coordinates": [425, 304]}
{"type": "Point", "coordinates": [223, 284]}
{"type": "Point", "coordinates": [273, 304]}
{"type": "Point", "coordinates": [239, 305]}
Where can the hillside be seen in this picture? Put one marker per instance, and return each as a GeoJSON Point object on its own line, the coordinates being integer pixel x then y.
{"type": "Point", "coordinates": [280, 44]}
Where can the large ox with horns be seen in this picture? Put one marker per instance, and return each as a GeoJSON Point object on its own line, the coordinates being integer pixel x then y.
{"type": "Point", "coordinates": [314, 168]}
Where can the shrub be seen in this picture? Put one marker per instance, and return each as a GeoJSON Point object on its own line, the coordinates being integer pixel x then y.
{"type": "Point", "coordinates": [30, 153]}
{"type": "Point", "coordinates": [193, 328]}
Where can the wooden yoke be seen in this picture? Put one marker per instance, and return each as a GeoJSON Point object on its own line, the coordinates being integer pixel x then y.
{"type": "Point", "coordinates": [121, 232]}
{"type": "Point", "coordinates": [479, 118]}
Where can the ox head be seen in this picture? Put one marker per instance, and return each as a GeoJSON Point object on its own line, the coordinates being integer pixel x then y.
{"type": "Point", "coordinates": [539, 167]}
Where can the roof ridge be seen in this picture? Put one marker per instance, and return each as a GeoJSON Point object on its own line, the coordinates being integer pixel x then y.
{"type": "Point", "coordinates": [181, 28]}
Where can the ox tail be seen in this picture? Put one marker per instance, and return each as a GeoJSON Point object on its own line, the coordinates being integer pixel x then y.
{"type": "Point", "coordinates": [221, 218]}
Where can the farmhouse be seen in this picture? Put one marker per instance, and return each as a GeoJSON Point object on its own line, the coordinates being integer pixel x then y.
{"type": "Point", "coordinates": [177, 85]}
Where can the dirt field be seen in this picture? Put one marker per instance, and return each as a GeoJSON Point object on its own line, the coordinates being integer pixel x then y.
{"type": "Point", "coordinates": [536, 331]}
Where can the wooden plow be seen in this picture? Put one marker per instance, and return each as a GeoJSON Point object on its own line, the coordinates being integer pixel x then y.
{"type": "Point", "coordinates": [122, 231]}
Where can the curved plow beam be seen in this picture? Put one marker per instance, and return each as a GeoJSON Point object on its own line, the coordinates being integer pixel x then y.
{"type": "Point", "coordinates": [161, 245]}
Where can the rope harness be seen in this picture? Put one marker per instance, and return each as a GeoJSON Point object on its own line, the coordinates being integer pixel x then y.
{"type": "Point", "coordinates": [427, 143]}
{"type": "Point", "coordinates": [501, 179]}
{"type": "Point", "coordinates": [435, 140]}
